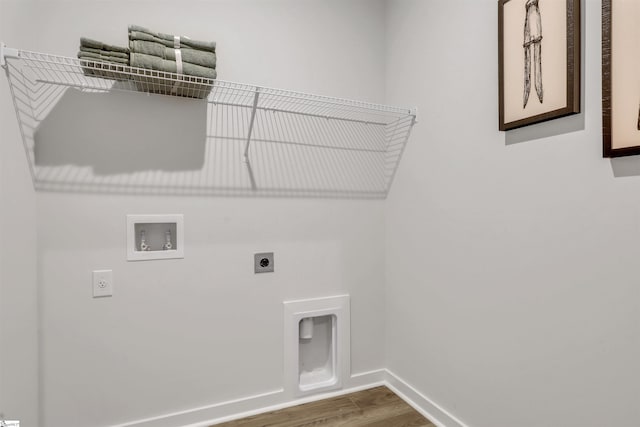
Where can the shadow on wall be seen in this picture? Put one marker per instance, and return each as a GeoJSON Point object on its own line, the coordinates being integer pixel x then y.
{"type": "Point", "coordinates": [119, 132]}
{"type": "Point", "coordinates": [126, 142]}
{"type": "Point", "coordinates": [626, 166]}
{"type": "Point", "coordinates": [569, 124]}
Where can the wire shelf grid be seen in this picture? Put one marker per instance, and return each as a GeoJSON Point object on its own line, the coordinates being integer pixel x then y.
{"type": "Point", "coordinates": [256, 140]}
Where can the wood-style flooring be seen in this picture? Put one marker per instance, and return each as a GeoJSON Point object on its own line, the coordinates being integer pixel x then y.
{"type": "Point", "coordinates": [376, 407]}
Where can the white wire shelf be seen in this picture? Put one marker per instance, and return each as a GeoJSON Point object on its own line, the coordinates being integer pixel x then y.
{"type": "Point", "coordinates": [231, 139]}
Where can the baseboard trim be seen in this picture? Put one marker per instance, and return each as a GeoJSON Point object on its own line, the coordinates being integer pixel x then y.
{"type": "Point", "coordinates": [421, 403]}
{"type": "Point", "coordinates": [369, 379]}
{"type": "Point", "coordinates": [252, 405]}
{"type": "Point", "coordinates": [217, 410]}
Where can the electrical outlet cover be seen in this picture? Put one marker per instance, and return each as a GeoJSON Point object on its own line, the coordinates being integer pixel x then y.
{"type": "Point", "coordinates": [102, 283]}
{"type": "Point", "coordinates": [263, 262]}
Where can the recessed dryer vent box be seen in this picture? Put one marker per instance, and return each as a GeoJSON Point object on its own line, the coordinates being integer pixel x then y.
{"type": "Point", "coordinates": [155, 237]}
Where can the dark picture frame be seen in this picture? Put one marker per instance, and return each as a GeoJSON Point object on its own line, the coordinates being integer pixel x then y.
{"type": "Point", "coordinates": [620, 92]}
{"type": "Point", "coordinates": [538, 61]}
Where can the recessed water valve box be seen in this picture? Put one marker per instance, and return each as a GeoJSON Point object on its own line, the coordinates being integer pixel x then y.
{"type": "Point", "coordinates": [263, 262]}
{"type": "Point", "coordinates": [155, 237]}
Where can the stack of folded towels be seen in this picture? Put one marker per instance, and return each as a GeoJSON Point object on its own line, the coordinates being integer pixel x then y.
{"type": "Point", "coordinates": [169, 53]}
{"type": "Point", "coordinates": [95, 51]}
{"type": "Point", "coordinates": [153, 51]}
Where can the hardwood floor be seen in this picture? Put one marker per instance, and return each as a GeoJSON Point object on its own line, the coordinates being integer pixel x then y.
{"type": "Point", "coordinates": [376, 407]}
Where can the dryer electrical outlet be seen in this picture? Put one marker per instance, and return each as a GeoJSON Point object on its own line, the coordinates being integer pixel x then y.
{"type": "Point", "coordinates": [263, 262]}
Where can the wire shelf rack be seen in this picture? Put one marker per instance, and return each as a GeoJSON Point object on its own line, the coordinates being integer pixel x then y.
{"type": "Point", "coordinates": [213, 138]}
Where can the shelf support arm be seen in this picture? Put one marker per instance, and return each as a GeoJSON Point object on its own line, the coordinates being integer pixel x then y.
{"type": "Point", "coordinates": [253, 118]}
{"type": "Point", "coordinates": [7, 52]}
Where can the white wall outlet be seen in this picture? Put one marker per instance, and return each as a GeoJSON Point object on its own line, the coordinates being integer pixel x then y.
{"type": "Point", "coordinates": [102, 283]}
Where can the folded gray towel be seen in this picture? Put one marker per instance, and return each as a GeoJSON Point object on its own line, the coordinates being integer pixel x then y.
{"type": "Point", "coordinates": [84, 41]}
{"type": "Point", "coordinates": [151, 62]}
{"type": "Point", "coordinates": [90, 56]}
{"type": "Point", "coordinates": [193, 56]}
{"type": "Point", "coordinates": [140, 33]}
{"type": "Point", "coordinates": [108, 53]}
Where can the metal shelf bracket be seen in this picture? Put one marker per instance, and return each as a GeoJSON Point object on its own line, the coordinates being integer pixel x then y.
{"type": "Point", "coordinates": [414, 112]}
{"type": "Point", "coordinates": [253, 118]}
{"type": "Point", "coordinates": [7, 52]}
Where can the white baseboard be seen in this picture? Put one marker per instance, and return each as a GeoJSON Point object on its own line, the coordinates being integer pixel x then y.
{"type": "Point", "coordinates": [245, 407]}
{"type": "Point", "coordinates": [369, 379]}
{"type": "Point", "coordinates": [421, 403]}
{"type": "Point", "coordinates": [218, 410]}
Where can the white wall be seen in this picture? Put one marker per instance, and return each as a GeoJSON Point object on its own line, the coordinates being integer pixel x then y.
{"type": "Point", "coordinates": [180, 334]}
{"type": "Point", "coordinates": [512, 258]}
{"type": "Point", "coordinates": [18, 281]}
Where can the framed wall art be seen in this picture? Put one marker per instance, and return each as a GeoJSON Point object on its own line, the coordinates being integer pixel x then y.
{"type": "Point", "coordinates": [620, 78]}
{"type": "Point", "coordinates": [538, 60]}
